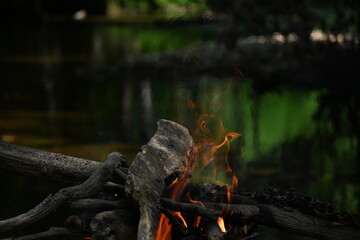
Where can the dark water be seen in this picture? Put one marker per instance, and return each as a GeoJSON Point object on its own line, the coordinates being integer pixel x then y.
{"type": "Point", "coordinates": [59, 92]}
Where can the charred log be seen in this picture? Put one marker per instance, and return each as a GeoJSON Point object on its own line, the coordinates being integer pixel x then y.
{"type": "Point", "coordinates": [194, 208]}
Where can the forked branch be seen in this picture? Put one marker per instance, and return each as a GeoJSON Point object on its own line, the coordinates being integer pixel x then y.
{"type": "Point", "coordinates": [91, 186]}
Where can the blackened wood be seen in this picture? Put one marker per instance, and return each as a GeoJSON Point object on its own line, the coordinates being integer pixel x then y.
{"type": "Point", "coordinates": [304, 224]}
{"type": "Point", "coordinates": [91, 186]}
{"type": "Point", "coordinates": [282, 217]}
{"type": "Point", "coordinates": [212, 230]}
{"type": "Point", "coordinates": [251, 236]}
{"type": "Point", "coordinates": [52, 166]}
{"type": "Point", "coordinates": [318, 226]}
{"type": "Point", "coordinates": [176, 222]}
{"type": "Point", "coordinates": [100, 204]}
{"type": "Point", "coordinates": [162, 157]}
{"type": "Point", "coordinates": [192, 208]}
{"type": "Point", "coordinates": [236, 232]}
{"type": "Point", "coordinates": [52, 232]}
{"type": "Point", "coordinates": [243, 211]}
{"type": "Point", "coordinates": [75, 224]}
{"type": "Point", "coordinates": [115, 225]}
{"type": "Point", "coordinates": [115, 188]}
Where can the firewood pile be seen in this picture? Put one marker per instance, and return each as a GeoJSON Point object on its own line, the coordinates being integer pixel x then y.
{"type": "Point", "coordinates": [153, 198]}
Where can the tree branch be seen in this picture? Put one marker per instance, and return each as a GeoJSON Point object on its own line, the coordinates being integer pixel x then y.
{"type": "Point", "coordinates": [93, 184]}
{"type": "Point", "coordinates": [48, 165]}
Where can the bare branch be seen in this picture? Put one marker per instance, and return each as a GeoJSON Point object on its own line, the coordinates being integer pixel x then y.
{"type": "Point", "coordinates": [48, 165]}
{"type": "Point", "coordinates": [93, 184]}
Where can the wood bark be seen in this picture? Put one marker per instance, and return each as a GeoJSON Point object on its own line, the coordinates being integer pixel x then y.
{"type": "Point", "coordinates": [275, 213]}
{"type": "Point", "coordinates": [91, 186]}
{"type": "Point", "coordinates": [162, 157]}
{"type": "Point", "coordinates": [52, 166]}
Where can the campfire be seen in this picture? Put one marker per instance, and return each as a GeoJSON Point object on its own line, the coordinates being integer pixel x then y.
{"type": "Point", "coordinates": [162, 195]}
{"type": "Point", "coordinates": [209, 149]}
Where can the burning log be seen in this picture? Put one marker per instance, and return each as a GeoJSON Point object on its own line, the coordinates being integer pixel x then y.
{"type": "Point", "coordinates": [160, 159]}
{"type": "Point", "coordinates": [191, 207]}
{"type": "Point", "coordinates": [122, 202]}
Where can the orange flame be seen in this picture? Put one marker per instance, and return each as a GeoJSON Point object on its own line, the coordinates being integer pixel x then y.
{"type": "Point", "coordinates": [197, 219]}
{"type": "Point", "coordinates": [178, 214]}
{"type": "Point", "coordinates": [221, 223]}
{"type": "Point", "coordinates": [212, 147]}
{"type": "Point", "coordinates": [164, 228]}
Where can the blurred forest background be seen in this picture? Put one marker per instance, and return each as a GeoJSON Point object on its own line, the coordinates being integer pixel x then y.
{"type": "Point", "coordinates": [87, 77]}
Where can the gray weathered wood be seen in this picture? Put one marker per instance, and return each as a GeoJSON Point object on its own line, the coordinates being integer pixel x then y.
{"type": "Point", "coordinates": [91, 186]}
{"type": "Point", "coordinates": [162, 156]}
{"type": "Point", "coordinates": [52, 166]}
{"type": "Point", "coordinates": [296, 221]}
{"type": "Point", "coordinates": [306, 225]}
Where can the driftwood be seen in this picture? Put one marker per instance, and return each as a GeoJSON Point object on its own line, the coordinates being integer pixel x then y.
{"type": "Point", "coordinates": [52, 166]}
{"type": "Point", "coordinates": [126, 202]}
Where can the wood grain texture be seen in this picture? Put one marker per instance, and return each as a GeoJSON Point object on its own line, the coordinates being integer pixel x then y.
{"type": "Point", "coordinates": [162, 156]}
{"type": "Point", "coordinates": [51, 166]}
